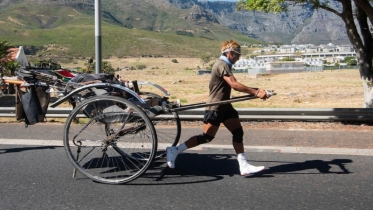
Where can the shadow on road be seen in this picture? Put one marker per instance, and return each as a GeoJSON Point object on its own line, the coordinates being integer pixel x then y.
{"type": "Point", "coordinates": [297, 167]}
{"type": "Point", "coordinates": [194, 168]}
{"type": "Point", "coordinates": [198, 168]}
{"type": "Point", "coordinates": [21, 149]}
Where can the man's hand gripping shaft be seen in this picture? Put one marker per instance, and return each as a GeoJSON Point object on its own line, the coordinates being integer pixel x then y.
{"type": "Point", "coordinates": [264, 94]}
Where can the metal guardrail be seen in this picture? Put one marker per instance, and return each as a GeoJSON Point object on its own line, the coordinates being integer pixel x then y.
{"type": "Point", "coordinates": [262, 114]}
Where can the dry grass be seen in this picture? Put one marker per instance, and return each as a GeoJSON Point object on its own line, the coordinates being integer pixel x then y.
{"type": "Point", "coordinates": [329, 89]}
{"type": "Point", "coordinates": [336, 89]}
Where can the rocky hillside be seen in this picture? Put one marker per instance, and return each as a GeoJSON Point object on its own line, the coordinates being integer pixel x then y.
{"type": "Point", "coordinates": [301, 25]}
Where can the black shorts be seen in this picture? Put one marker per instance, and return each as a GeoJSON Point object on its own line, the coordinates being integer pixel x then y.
{"type": "Point", "coordinates": [216, 117]}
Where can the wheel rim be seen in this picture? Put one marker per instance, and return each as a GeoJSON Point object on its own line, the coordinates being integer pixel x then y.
{"type": "Point", "coordinates": [113, 145]}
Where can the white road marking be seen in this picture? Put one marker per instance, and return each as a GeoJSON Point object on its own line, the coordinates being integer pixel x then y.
{"type": "Point", "coordinates": [305, 150]}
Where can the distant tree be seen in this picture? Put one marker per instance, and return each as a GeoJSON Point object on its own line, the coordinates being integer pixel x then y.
{"type": "Point", "coordinates": [357, 16]}
{"type": "Point", "coordinates": [43, 63]}
{"type": "Point", "coordinates": [346, 59]}
{"type": "Point", "coordinates": [205, 58]}
{"type": "Point", "coordinates": [141, 66]}
{"type": "Point", "coordinates": [184, 33]}
{"type": "Point", "coordinates": [352, 62]}
{"type": "Point", "coordinates": [106, 66]}
{"type": "Point", "coordinates": [4, 47]}
{"type": "Point", "coordinates": [10, 68]}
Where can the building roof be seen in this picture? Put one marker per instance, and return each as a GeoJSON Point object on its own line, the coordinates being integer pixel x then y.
{"type": "Point", "coordinates": [16, 54]}
{"type": "Point", "coordinates": [13, 53]}
{"type": "Point", "coordinates": [276, 55]}
{"type": "Point", "coordinates": [273, 62]}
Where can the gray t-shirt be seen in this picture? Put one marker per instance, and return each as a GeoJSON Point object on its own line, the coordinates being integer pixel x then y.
{"type": "Point", "coordinates": [219, 89]}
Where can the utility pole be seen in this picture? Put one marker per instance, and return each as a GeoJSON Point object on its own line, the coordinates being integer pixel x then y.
{"type": "Point", "coordinates": [98, 39]}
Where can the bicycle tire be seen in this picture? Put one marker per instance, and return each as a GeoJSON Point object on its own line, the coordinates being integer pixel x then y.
{"type": "Point", "coordinates": [116, 145]}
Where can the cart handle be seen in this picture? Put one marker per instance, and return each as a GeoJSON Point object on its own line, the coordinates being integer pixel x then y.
{"type": "Point", "coordinates": [234, 99]}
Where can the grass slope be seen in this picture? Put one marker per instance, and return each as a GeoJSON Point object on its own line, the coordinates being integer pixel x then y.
{"type": "Point", "coordinates": [68, 32]}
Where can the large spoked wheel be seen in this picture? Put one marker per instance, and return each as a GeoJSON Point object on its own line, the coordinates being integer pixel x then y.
{"type": "Point", "coordinates": [168, 129]}
{"type": "Point", "coordinates": [115, 144]}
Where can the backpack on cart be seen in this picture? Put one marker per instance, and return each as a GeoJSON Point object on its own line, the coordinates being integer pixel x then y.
{"type": "Point", "coordinates": [32, 105]}
{"type": "Point", "coordinates": [35, 104]}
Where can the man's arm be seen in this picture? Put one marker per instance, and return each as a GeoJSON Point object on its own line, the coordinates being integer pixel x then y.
{"type": "Point", "coordinates": [231, 80]}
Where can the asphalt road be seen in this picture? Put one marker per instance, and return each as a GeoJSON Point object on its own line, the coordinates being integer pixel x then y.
{"type": "Point", "coordinates": [308, 141]}
{"type": "Point", "coordinates": [36, 176]}
{"type": "Point", "coordinates": [39, 177]}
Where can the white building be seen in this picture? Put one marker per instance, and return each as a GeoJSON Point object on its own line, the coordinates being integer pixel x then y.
{"type": "Point", "coordinates": [279, 67]}
{"type": "Point", "coordinates": [270, 58]}
{"type": "Point", "coordinates": [345, 48]}
{"type": "Point", "coordinates": [287, 49]}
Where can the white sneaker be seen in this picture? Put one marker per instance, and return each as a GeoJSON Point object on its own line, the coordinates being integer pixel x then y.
{"type": "Point", "coordinates": [172, 153]}
{"type": "Point", "coordinates": [246, 168]}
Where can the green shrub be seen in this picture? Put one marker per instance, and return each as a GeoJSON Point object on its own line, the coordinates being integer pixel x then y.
{"type": "Point", "coordinates": [185, 33]}
{"type": "Point", "coordinates": [183, 100]}
{"type": "Point", "coordinates": [141, 66]}
{"type": "Point", "coordinates": [287, 59]}
{"type": "Point", "coordinates": [352, 62]}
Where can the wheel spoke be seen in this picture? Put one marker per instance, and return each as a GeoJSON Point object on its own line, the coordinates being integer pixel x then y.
{"type": "Point", "coordinates": [114, 145]}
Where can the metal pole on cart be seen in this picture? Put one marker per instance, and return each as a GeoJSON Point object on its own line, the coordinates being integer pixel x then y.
{"type": "Point", "coordinates": [204, 104]}
{"type": "Point", "coordinates": [98, 48]}
{"type": "Point", "coordinates": [232, 100]}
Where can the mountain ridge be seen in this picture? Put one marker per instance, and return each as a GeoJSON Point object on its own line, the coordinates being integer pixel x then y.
{"type": "Point", "coordinates": [301, 24]}
{"type": "Point", "coordinates": [157, 27]}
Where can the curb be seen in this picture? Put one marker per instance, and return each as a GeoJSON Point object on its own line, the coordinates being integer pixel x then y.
{"type": "Point", "coordinates": [279, 149]}
{"type": "Point", "coordinates": [297, 150]}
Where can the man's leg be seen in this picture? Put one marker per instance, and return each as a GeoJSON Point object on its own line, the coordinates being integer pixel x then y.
{"type": "Point", "coordinates": [209, 132]}
{"type": "Point", "coordinates": [234, 126]}
{"type": "Point", "coordinates": [208, 129]}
